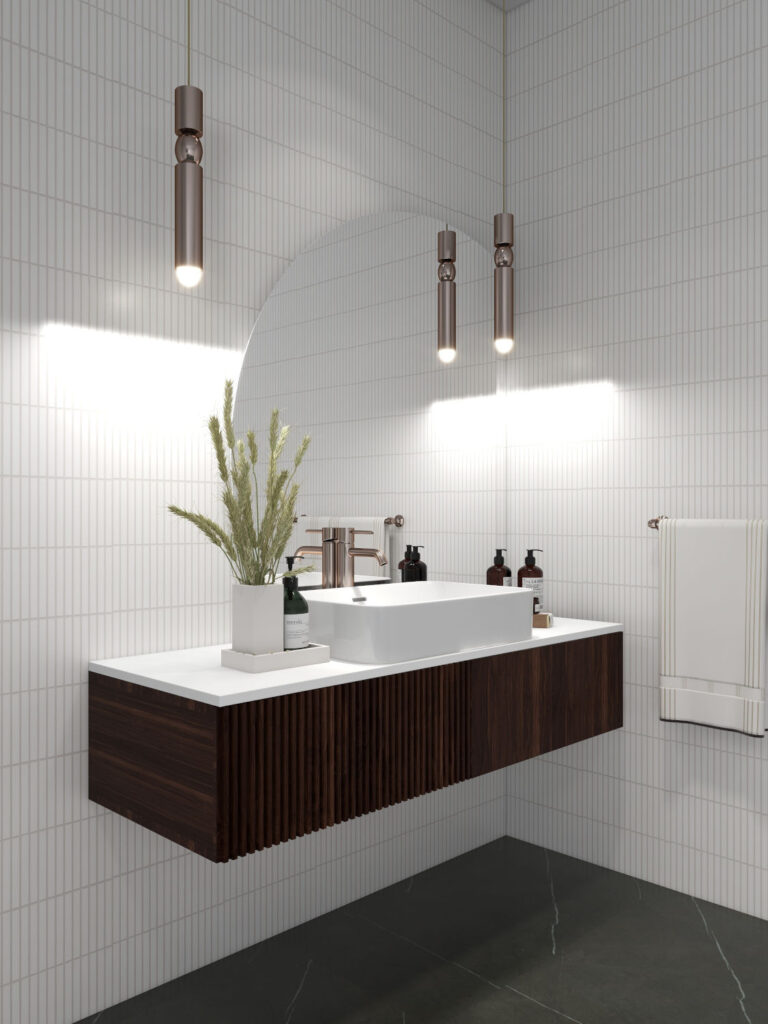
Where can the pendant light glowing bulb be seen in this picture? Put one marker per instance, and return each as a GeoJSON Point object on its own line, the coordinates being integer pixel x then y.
{"type": "Point", "coordinates": [503, 233]}
{"type": "Point", "coordinates": [188, 176]}
{"type": "Point", "coordinates": [189, 277]}
{"type": "Point", "coordinates": [446, 296]}
{"type": "Point", "coordinates": [503, 283]}
{"type": "Point", "coordinates": [188, 182]}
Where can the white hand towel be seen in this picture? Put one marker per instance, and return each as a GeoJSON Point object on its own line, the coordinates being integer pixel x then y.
{"type": "Point", "coordinates": [380, 538]}
{"type": "Point", "coordinates": [713, 579]}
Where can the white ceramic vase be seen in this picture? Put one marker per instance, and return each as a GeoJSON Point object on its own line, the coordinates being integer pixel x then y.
{"type": "Point", "coordinates": [257, 618]}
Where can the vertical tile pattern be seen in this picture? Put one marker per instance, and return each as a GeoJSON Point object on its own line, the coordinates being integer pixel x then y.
{"type": "Point", "coordinates": [638, 159]}
{"type": "Point", "coordinates": [637, 163]}
{"type": "Point", "coordinates": [316, 112]}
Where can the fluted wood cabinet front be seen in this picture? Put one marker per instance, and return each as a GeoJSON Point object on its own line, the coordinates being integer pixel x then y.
{"type": "Point", "coordinates": [229, 781]}
{"type": "Point", "coordinates": [304, 761]}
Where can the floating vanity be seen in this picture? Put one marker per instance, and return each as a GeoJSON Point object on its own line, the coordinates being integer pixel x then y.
{"type": "Point", "coordinates": [226, 763]}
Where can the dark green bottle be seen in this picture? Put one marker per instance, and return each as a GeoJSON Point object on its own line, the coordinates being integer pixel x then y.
{"type": "Point", "coordinates": [295, 613]}
{"type": "Point", "coordinates": [414, 571]}
{"type": "Point", "coordinates": [403, 560]}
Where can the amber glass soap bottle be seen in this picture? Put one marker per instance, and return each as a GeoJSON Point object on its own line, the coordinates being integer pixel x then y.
{"type": "Point", "coordinates": [498, 572]}
{"type": "Point", "coordinates": [531, 577]}
{"type": "Point", "coordinates": [406, 558]}
{"type": "Point", "coordinates": [414, 571]}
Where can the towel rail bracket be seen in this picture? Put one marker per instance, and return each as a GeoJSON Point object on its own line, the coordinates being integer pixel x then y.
{"type": "Point", "coordinates": [653, 524]}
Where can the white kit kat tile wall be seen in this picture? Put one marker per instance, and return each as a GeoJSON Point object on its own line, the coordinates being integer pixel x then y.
{"type": "Point", "coordinates": [637, 171]}
{"type": "Point", "coordinates": [638, 157]}
{"type": "Point", "coordinates": [316, 112]}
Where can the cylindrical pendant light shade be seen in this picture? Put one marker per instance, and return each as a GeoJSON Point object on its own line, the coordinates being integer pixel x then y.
{"type": "Point", "coordinates": [446, 296]}
{"type": "Point", "coordinates": [446, 321]}
{"type": "Point", "coordinates": [188, 110]}
{"type": "Point", "coordinates": [188, 180]}
{"type": "Point", "coordinates": [503, 308]}
{"type": "Point", "coordinates": [503, 283]}
{"type": "Point", "coordinates": [189, 223]}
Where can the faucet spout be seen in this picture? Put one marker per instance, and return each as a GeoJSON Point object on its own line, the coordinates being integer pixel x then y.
{"type": "Point", "coordinates": [376, 553]}
{"type": "Point", "coordinates": [307, 549]}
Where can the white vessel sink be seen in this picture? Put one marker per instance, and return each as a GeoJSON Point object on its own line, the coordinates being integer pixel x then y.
{"type": "Point", "coordinates": [406, 621]}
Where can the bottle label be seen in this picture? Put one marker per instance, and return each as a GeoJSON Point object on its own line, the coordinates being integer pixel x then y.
{"type": "Point", "coordinates": [536, 584]}
{"type": "Point", "coordinates": [296, 631]}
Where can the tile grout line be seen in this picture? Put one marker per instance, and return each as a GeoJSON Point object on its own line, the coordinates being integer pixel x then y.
{"type": "Point", "coordinates": [292, 1004]}
{"type": "Point", "coordinates": [556, 919]}
{"type": "Point", "coordinates": [459, 966]}
{"type": "Point", "coordinates": [742, 994]}
{"type": "Point", "coordinates": [531, 999]}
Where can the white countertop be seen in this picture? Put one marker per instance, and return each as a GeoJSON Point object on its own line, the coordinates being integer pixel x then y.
{"type": "Point", "coordinates": [197, 673]}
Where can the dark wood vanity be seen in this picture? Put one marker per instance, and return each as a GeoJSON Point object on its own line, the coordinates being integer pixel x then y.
{"type": "Point", "coordinates": [226, 781]}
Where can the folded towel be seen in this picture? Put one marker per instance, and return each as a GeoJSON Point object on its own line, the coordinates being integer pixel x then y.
{"type": "Point", "coordinates": [381, 539]}
{"type": "Point", "coordinates": [713, 580]}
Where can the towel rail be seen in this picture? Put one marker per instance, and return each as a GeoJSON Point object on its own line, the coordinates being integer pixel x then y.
{"type": "Point", "coordinates": [389, 521]}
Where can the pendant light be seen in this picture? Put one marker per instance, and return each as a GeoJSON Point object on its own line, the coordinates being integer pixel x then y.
{"type": "Point", "coordinates": [503, 233]}
{"type": "Point", "coordinates": [446, 295]}
{"type": "Point", "coordinates": [188, 178]}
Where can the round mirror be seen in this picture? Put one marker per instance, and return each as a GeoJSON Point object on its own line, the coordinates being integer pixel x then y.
{"type": "Point", "coordinates": [345, 346]}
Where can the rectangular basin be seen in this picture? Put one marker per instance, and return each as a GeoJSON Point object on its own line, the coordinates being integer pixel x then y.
{"type": "Point", "coordinates": [407, 621]}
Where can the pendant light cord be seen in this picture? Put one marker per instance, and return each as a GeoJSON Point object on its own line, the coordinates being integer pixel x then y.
{"type": "Point", "coordinates": [189, 38]}
{"type": "Point", "coordinates": [504, 108]}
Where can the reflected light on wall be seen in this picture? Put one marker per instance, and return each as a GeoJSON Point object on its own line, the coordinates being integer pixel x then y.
{"type": "Point", "coordinates": [557, 415]}
{"type": "Point", "coordinates": [466, 423]}
{"type": "Point", "coordinates": [135, 381]}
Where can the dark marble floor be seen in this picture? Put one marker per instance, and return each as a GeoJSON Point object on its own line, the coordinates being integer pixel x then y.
{"type": "Point", "coordinates": [507, 933]}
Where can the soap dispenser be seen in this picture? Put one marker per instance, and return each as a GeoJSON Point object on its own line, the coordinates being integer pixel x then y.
{"type": "Point", "coordinates": [531, 577]}
{"type": "Point", "coordinates": [498, 572]}
{"type": "Point", "coordinates": [406, 558]}
{"type": "Point", "coordinates": [414, 571]}
{"type": "Point", "coordinates": [295, 612]}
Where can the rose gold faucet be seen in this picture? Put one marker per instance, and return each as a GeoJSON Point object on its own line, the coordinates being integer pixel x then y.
{"type": "Point", "coordinates": [338, 554]}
